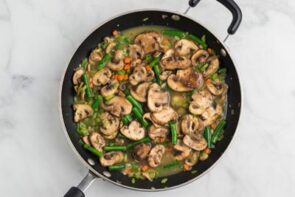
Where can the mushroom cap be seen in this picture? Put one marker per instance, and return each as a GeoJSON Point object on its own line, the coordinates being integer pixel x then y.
{"type": "Point", "coordinates": [164, 116]}
{"type": "Point", "coordinates": [212, 68]}
{"type": "Point", "coordinates": [192, 159]}
{"type": "Point", "coordinates": [189, 124]}
{"type": "Point", "coordinates": [102, 77]}
{"type": "Point", "coordinates": [190, 78]}
{"type": "Point", "coordinates": [117, 62]}
{"type": "Point", "coordinates": [155, 156]}
{"type": "Point", "coordinates": [149, 41]}
{"type": "Point", "coordinates": [165, 74]}
{"type": "Point", "coordinates": [158, 134]}
{"type": "Point", "coordinates": [171, 62]}
{"type": "Point", "coordinates": [111, 158]}
{"type": "Point", "coordinates": [97, 141]}
{"type": "Point", "coordinates": [199, 56]}
{"type": "Point", "coordinates": [82, 111]}
{"type": "Point", "coordinates": [110, 47]}
{"type": "Point", "coordinates": [185, 47]}
{"type": "Point", "coordinates": [133, 131]}
{"type": "Point", "coordinates": [175, 84]}
{"type": "Point", "coordinates": [118, 106]}
{"type": "Point", "coordinates": [110, 88]}
{"type": "Point", "coordinates": [77, 76]}
{"type": "Point", "coordinates": [141, 151]}
{"type": "Point", "coordinates": [196, 142]}
{"type": "Point", "coordinates": [201, 101]}
{"type": "Point", "coordinates": [210, 115]}
{"type": "Point", "coordinates": [217, 88]}
{"type": "Point", "coordinates": [156, 98]}
{"type": "Point", "coordinates": [94, 57]}
{"type": "Point", "coordinates": [148, 117]}
{"type": "Point", "coordinates": [140, 92]}
{"type": "Point", "coordinates": [110, 124]}
{"type": "Point", "coordinates": [182, 151]}
{"type": "Point", "coordinates": [138, 75]}
{"type": "Point", "coordinates": [135, 51]}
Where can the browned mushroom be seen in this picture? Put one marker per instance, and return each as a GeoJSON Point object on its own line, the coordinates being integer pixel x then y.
{"type": "Point", "coordinates": [111, 158]}
{"type": "Point", "coordinates": [94, 57]}
{"type": "Point", "coordinates": [149, 41]}
{"type": "Point", "coordinates": [109, 125]}
{"type": "Point", "coordinates": [200, 56]}
{"type": "Point", "coordinates": [156, 98]}
{"type": "Point", "coordinates": [212, 68]}
{"type": "Point", "coordinates": [141, 151]}
{"type": "Point", "coordinates": [82, 111]}
{"type": "Point", "coordinates": [158, 134]}
{"type": "Point", "coordinates": [165, 74]}
{"type": "Point", "coordinates": [181, 151]}
{"type": "Point", "coordinates": [175, 84]}
{"type": "Point", "coordinates": [201, 101]}
{"type": "Point", "coordinates": [189, 124]}
{"type": "Point", "coordinates": [196, 142]}
{"type": "Point", "coordinates": [118, 106]}
{"type": "Point", "coordinates": [171, 62]}
{"type": "Point", "coordinates": [97, 141]}
{"type": "Point", "coordinates": [192, 159]}
{"type": "Point", "coordinates": [139, 75]}
{"type": "Point", "coordinates": [77, 76]}
{"type": "Point", "coordinates": [140, 92]}
{"type": "Point", "coordinates": [164, 116]}
{"type": "Point", "coordinates": [117, 63]}
{"type": "Point", "coordinates": [133, 131]}
{"type": "Point", "coordinates": [102, 77]}
{"type": "Point", "coordinates": [135, 51]}
{"type": "Point", "coordinates": [216, 87]}
{"type": "Point", "coordinates": [155, 156]}
{"type": "Point", "coordinates": [185, 47]}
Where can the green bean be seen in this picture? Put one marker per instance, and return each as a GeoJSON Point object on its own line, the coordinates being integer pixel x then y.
{"type": "Point", "coordinates": [157, 73]}
{"type": "Point", "coordinates": [218, 130]}
{"type": "Point", "coordinates": [103, 62]}
{"type": "Point", "coordinates": [82, 129]}
{"type": "Point", "coordinates": [97, 102]}
{"type": "Point", "coordinates": [155, 61]}
{"type": "Point", "coordinates": [126, 119]}
{"type": "Point", "coordinates": [139, 117]}
{"type": "Point", "coordinates": [84, 63]}
{"type": "Point", "coordinates": [173, 130]}
{"type": "Point", "coordinates": [88, 90]}
{"type": "Point", "coordinates": [148, 58]}
{"type": "Point", "coordinates": [116, 167]}
{"type": "Point", "coordinates": [208, 136]}
{"type": "Point", "coordinates": [197, 40]}
{"type": "Point", "coordinates": [92, 150]}
{"type": "Point", "coordinates": [115, 148]}
{"type": "Point", "coordinates": [143, 140]}
{"type": "Point", "coordinates": [172, 165]}
{"type": "Point", "coordinates": [135, 103]}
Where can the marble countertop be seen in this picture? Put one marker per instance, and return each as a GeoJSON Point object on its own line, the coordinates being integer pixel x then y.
{"type": "Point", "coordinates": [37, 40]}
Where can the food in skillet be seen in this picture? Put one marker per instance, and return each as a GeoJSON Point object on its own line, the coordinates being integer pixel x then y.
{"type": "Point", "coordinates": [150, 102]}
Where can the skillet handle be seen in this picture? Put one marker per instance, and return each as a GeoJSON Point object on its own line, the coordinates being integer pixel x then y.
{"type": "Point", "coordinates": [83, 185]}
{"type": "Point", "coordinates": [233, 8]}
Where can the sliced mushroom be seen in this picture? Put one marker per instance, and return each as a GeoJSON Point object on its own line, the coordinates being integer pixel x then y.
{"type": "Point", "coordinates": [110, 47]}
{"type": "Point", "coordinates": [201, 101]}
{"type": "Point", "coordinates": [118, 106]}
{"type": "Point", "coordinates": [200, 56]}
{"type": "Point", "coordinates": [190, 78]}
{"type": "Point", "coordinates": [155, 156]}
{"type": "Point", "coordinates": [196, 142]}
{"type": "Point", "coordinates": [82, 111]}
{"type": "Point", "coordinates": [149, 41]}
{"type": "Point", "coordinates": [171, 62]}
{"type": "Point", "coordinates": [212, 68]}
{"type": "Point", "coordinates": [139, 75]}
{"type": "Point", "coordinates": [102, 77]}
{"type": "Point", "coordinates": [77, 76]}
{"type": "Point", "coordinates": [135, 51]}
{"type": "Point", "coordinates": [217, 88]}
{"type": "Point", "coordinates": [210, 115]}
{"type": "Point", "coordinates": [189, 125]}
{"type": "Point", "coordinates": [165, 74]}
{"type": "Point", "coordinates": [110, 88]}
{"type": "Point", "coordinates": [150, 76]}
{"type": "Point", "coordinates": [109, 125]}
{"type": "Point", "coordinates": [134, 131]}
{"type": "Point", "coordinates": [158, 134]}
{"type": "Point", "coordinates": [140, 92]}
{"type": "Point", "coordinates": [95, 56]}
{"type": "Point", "coordinates": [148, 117]}
{"type": "Point", "coordinates": [164, 116]}
{"type": "Point", "coordinates": [175, 84]}
{"type": "Point", "coordinates": [181, 151]}
{"type": "Point", "coordinates": [156, 98]}
{"type": "Point", "coordinates": [141, 151]}
{"type": "Point", "coordinates": [85, 139]}
{"type": "Point", "coordinates": [111, 158]}
{"type": "Point", "coordinates": [192, 159]}
{"type": "Point", "coordinates": [97, 141]}
{"type": "Point", "coordinates": [185, 47]}
{"type": "Point", "coordinates": [117, 63]}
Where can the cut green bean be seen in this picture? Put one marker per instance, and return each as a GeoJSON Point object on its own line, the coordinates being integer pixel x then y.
{"type": "Point", "coordinates": [103, 62]}
{"type": "Point", "coordinates": [135, 103]}
{"type": "Point", "coordinates": [84, 63]}
{"type": "Point", "coordinates": [139, 117]}
{"type": "Point", "coordinates": [115, 148]}
{"type": "Point", "coordinates": [173, 164]}
{"type": "Point", "coordinates": [116, 167]}
{"type": "Point", "coordinates": [92, 150]}
{"type": "Point", "coordinates": [173, 130]}
{"type": "Point", "coordinates": [155, 61]}
{"type": "Point", "coordinates": [148, 58]}
{"type": "Point", "coordinates": [208, 136]}
{"type": "Point", "coordinates": [143, 140]}
{"type": "Point", "coordinates": [218, 130]}
{"type": "Point", "coordinates": [88, 90]}
{"type": "Point", "coordinates": [97, 102]}
{"type": "Point", "coordinates": [126, 119]}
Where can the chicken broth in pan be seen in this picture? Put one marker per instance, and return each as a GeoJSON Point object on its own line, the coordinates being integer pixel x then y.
{"type": "Point", "coordinates": [150, 101]}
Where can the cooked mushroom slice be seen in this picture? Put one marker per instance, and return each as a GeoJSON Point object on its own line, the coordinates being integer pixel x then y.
{"type": "Point", "coordinates": [190, 78]}
{"type": "Point", "coordinates": [164, 116]}
{"type": "Point", "coordinates": [118, 106]}
{"type": "Point", "coordinates": [110, 88]}
{"type": "Point", "coordinates": [185, 47]}
{"type": "Point", "coordinates": [135, 51]}
{"type": "Point", "coordinates": [155, 156]}
{"type": "Point", "coordinates": [200, 56]}
{"type": "Point", "coordinates": [94, 57]}
{"type": "Point", "coordinates": [140, 92]}
{"type": "Point", "coordinates": [97, 141]}
{"type": "Point", "coordinates": [196, 142]}
{"type": "Point", "coordinates": [111, 158]}
{"type": "Point", "coordinates": [109, 124]}
{"type": "Point", "coordinates": [165, 74]}
{"type": "Point", "coordinates": [171, 62]}
{"type": "Point", "coordinates": [148, 116]}
{"type": "Point", "coordinates": [156, 98]}
{"type": "Point", "coordinates": [158, 134]}
{"type": "Point", "coordinates": [141, 151]}
{"type": "Point", "coordinates": [181, 151]}
{"type": "Point", "coordinates": [110, 47]}
{"type": "Point", "coordinates": [82, 111]}
{"type": "Point", "coordinates": [216, 87]}
{"type": "Point", "coordinates": [175, 84]}
{"type": "Point", "coordinates": [189, 124]}
{"type": "Point", "coordinates": [149, 41]}
{"type": "Point", "coordinates": [150, 76]}
{"type": "Point", "coordinates": [210, 115]}
{"type": "Point", "coordinates": [85, 139]}
{"type": "Point", "coordinates": [201, 101]}
{"type": "Point", "coordinates": [134, 131]}
{"type": "Point", "coordinates": [139, 75]}
{"type": "Point", "coordinates": [212, 68]}
{"type": "Point", "coordinates": [192, 159]}
{"type": "Point", "coordinates": [102, 77]}
{"type": "Point", "coordinates": [77, 76]}
{"type": "Point", "coordinates": [117, 63]}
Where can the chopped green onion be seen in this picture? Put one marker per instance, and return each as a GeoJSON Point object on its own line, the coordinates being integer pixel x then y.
{"type": "Point", "coordinates": [133, 180]}
{"type": "Point", "coordinates": [164, 180]}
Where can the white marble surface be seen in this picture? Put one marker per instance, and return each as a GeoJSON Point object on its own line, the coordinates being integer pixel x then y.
{"type": "Point", "coordinates": [37, 40]}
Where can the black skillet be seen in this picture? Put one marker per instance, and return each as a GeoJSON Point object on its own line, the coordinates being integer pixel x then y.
{"type": "Point", "coordinates": [155, 17]}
